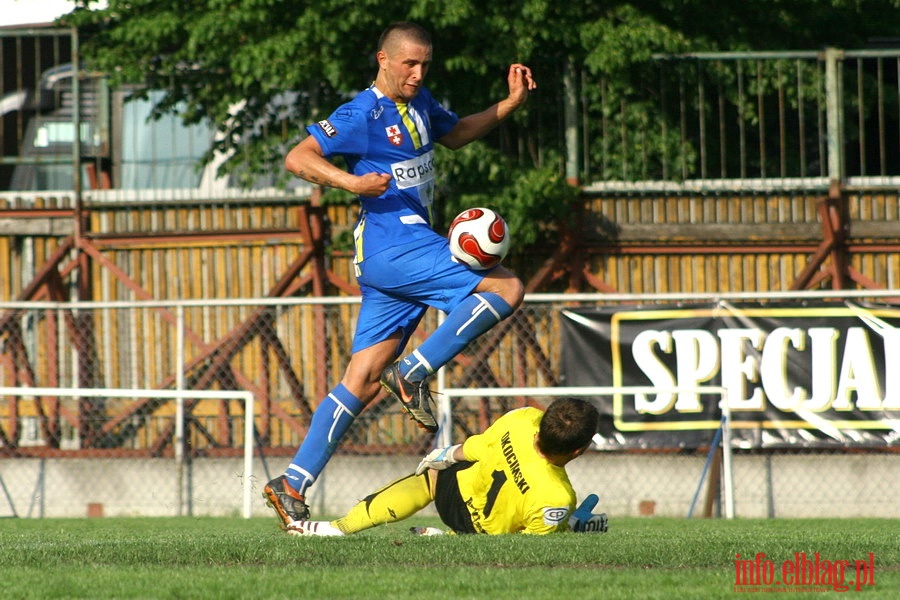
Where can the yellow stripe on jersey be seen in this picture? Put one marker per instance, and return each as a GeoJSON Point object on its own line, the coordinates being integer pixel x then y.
{"type": "Point", "coordinates": [410, 125]}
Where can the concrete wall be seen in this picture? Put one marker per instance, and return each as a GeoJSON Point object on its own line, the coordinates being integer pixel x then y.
{"type": "Point", "coordinates": [628, 485]}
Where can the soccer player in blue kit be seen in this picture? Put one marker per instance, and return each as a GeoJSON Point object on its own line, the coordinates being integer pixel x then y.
{"type": "Point", "coordinates": [386, 134]}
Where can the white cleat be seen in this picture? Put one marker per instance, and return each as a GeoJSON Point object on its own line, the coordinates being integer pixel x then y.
{"type": "Point", "coordinates": [319, 528]}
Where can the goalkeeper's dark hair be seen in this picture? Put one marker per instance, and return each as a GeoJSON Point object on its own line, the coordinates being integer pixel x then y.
{"type": "Point", "coordinates": [567, 425]}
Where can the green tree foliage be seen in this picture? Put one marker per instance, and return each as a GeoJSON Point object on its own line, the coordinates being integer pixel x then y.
{"type": "Point", "coordinates": [232, 61]}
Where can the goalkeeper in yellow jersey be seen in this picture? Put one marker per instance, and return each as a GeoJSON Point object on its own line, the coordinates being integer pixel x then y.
{"type": "Point", "coordinates": [509, 479]}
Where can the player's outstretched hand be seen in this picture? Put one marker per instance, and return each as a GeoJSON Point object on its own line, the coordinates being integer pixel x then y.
{"type": "Point", "coordinates": [438, 459]}
{"type": "Point", "coordinates": [520, 82]}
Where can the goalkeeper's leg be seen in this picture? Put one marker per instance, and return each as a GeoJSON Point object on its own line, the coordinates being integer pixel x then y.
{"type": "Point", "coordinates": [396, 501]}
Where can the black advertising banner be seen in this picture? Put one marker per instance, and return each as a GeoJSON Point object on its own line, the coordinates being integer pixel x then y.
{"type": "Point", "coordinates": [804, 374]}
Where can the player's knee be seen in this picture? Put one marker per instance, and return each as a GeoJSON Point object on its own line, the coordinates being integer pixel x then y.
{"type": "Point", "coordinates": [514, 292]}
{"type": "Point", "coordinates": [506, 285]}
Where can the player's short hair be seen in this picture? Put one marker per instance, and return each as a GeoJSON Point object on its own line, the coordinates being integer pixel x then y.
{"type": "Point", "coordinates": [404, 29]}
{"type": "Point", "coordinates": [567, 425]}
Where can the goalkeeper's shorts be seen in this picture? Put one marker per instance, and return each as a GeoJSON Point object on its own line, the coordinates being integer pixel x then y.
{"type": "Point", "coordinates": [449, 502]}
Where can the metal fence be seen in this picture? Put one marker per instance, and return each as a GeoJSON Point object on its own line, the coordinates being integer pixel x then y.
{"type": "Point", "coordinates": [742, 117]}
{"type": "Point", "coordinates": [721, 123]}
{"type": "Point", "coordinates": [62, 456]}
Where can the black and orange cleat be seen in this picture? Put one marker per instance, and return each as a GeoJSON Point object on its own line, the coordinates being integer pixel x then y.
{"type": "Point", "coordinates": [414, 397]}
{"type": "Point", "coordinates": [286, 501]}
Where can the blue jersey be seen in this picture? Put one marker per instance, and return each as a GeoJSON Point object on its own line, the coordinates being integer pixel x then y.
{"type": "Point", "coordinates": [374, 134]}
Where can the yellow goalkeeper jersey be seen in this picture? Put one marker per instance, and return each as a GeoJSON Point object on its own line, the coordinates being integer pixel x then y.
{"type": "Point", "coordinates": [511, 488]}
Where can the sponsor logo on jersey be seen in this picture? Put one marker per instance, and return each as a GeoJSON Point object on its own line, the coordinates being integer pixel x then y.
{"type": "Point", "coordinates": [327, 128]}
{"type": "Point", "coordinates": [555, 516]}
{"type": "Point", "coordinates": [394, 134]}
{"type": "Point", "coordinates": [414, 172]}
{"type": "Point", "coordinates": [376, 112]}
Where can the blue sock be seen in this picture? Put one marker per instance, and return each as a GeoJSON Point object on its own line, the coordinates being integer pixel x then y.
{"type": "Point", "coordinates": [329, 423]}
{"type": "Point", "coordinates": [474, 315]}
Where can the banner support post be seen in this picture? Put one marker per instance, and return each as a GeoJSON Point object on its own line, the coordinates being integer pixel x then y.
{"type": "Point", "coordinates": [727, 475]}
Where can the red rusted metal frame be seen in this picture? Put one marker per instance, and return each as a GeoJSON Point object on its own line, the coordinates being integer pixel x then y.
{"type": "Point", "coordinates": [213, 358]}
{"type": "Point", "coordinates": [218, 355]}
{"type": "Point", "coordinates": [318, 285]}
{"type": "Point", "coordinates": [284, 366]}
{"type": "Point", "coordinates": [32, 290]}
{"type": "Point", "coordinates": [56, 291]}
{"type": "Point", "coordinates": [208, 350]}
{"type": "Point", "coordinates": [616, 249]}
{"type": "Point", "coordinates": [638, 249]}
{"type": "Point", "coordinates": [88, 246]}
{"type": "Point", "coordinates": [46, 282]}
{"type": "Point", "coordinates": [226, 377]}
{"type": "Point", "coordinates": [833, 245]}
{"type": "Point", "coordinates": [80, 330]}
{"type": "Point", "coordinates": [570, 258]}
{"type": "Point", "coordinates": [261, 322]}
{"type": "Point", "coordinates": [23, 370]}
{"type": "Point", "coordinates": [12, 411]}
{"type": "Point", "coordinates": [555, 266]}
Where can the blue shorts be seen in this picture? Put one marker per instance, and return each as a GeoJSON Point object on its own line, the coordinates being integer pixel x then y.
{"type": "Point", "coordinates": [400, 283]}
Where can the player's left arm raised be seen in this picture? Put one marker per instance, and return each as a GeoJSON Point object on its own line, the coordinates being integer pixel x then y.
{"type": "Point", "coordinates": [520, 82]}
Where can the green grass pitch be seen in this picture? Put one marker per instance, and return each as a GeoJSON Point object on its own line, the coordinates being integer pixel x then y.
{"type": "Point", "coordinates": [236, 558]}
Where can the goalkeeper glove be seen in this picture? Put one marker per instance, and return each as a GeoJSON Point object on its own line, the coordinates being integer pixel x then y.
{"type": "Point", "coordinates": [583, 521]}
{"type": "Point", "coordinates": [438, 459]}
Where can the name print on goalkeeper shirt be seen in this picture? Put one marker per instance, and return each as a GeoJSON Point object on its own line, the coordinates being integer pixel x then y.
{"type": "Point", "coordinates": [510, 454]}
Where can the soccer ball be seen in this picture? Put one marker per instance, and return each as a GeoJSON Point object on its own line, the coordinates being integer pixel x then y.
{"type": "Point", "coordinates": [479, 238]}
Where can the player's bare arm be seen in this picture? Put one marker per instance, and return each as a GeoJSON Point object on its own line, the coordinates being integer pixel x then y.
{"type": "Point", "coordinates": [306, 161]}
{"type": "Point", "coordinates": [520, 82]}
